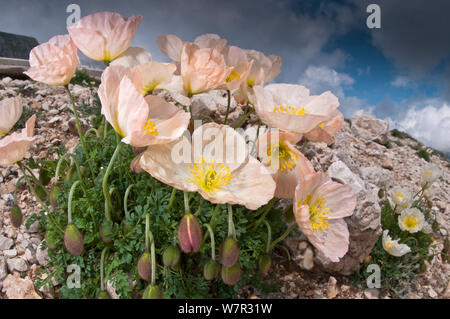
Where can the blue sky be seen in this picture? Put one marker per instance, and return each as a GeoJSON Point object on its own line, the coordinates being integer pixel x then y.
{"type": "Point", "coordinates": [400, 72]}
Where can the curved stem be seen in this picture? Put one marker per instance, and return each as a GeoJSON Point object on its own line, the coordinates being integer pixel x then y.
{"type": "Point", "coordinates": [147, 231]}
{"type": "Point", "coordinates": [187, 209]}
{"type": "Point", "coordinates": [77, 121]}
{"type": "Point", "coordinates": [283, 236]}
{"type": "Point", "coordinates": [172, 197]}
{"type": "Point", "coordinates": [231, 230]}
{"type": "Point", "coordinates": [91, 130]}
{"type": "Point", "coordinates": [243, 118]}
{"type": "Point", "coordinates": [16, 187]}
{"type": "Point", "coordinates": [213, 217]}
{"type": "Point", "coordinates": [213, 247]}
{"type": "Point", "coordinates": [228, 107]}
{"type": "Point", "coordinates": [58, 166]}
{"type": "Point", "coordinates": [33, 177]}
{"type": "Point", "coordinates": [269, 236]}
{"type": "Point", "coordinates": [102, 271]}
{"type": "Point", "coordinates": [149, 241]}
{"type": "Point", "coordinates": [105, 127]}
{"type": "Point", "coordinates": [33, 191]}
{"type": "Point", "coordinates": [125, 201]}
{"type": "Point", "coordinates": [264, 214]}
{"type": "Point", "coordinates": [108, 204]}
{"type": "Point", "coordinates": [69, 205]}
{"type": "Point", "coordinates": [200, 207]}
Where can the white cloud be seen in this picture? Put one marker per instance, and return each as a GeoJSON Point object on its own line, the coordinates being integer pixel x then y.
{"type": "Point", "coordinates": [429, 124]}
{"type": "Point", "coordinates": [322, 78]}
{"type": "Point", "coordinates": [402, 82]}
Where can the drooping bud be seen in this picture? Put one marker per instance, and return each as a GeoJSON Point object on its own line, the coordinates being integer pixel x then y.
{"type": "Point", "coordinates": [138, 150]}
{"type": "Point", "coordinates": [70, 173]}
{"type": "Point", "coordinates": [190, 234]}
{"type": "Point", "coordinates": [152, 292]}
{"type": "Point", "coordinates": [54, 193]}
{"type": "Point", "coordinates": [41, 192]}
{"type": "Point", "coordinates": [103, 295]}
{"type": "Point", "coordinates": [106, 232]}
{"type": "Point", "coordinates": [231, 275]}
{"type": "Point", "coordinates": [264, 263]}
{"type": "Point", "coordinates": [73, 240]}
{"type": "Point", "coordinates": [51, 238]}
{"type": "Point", "coordinates": [16, 216]}
{"type": "Point", "coordinates": [171, 256]}
{"type": "Point", "coordinates": [211, 270]}
{"type": "Point", "coordinates": [44, 176]}
{"type": "Point", "coordinates": [144, 266]}
{"type": "Point", "coordinates": [229, 252]}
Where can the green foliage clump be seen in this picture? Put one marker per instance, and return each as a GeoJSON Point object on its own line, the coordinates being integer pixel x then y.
{"type": "Point", "coordinates": [147, 196]}
{"type": "Point", "coordinates": [83, 79]}
{"type": "Point", "coordinates": [423, 154]}
{"type": "Point", "coordinates": [398, 272]}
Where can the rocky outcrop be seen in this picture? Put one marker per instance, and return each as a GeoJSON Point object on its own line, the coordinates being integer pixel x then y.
{"type": "Point", "coordinates": [16, 46]}
{"type": "Point", "coordinates": [369, 128]}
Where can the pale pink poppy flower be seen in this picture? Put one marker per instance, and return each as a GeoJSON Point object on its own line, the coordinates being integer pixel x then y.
{"type": "Point", "coordinates": [202, 69]}
{"type": "Point", "coordinates": [320, 206]}
{"type": "Point", "coordinates": [103, 36]}
{"type": "Point", "coordinates": [141, 121]}
{"type": "Point", "coordinates": [10, 112]}
{"type": "Point", "coordinates": [54, 62]}
{"type": "Point", "coordinates": [289, 107]}
{"type": "Point", "coordinates": [325, 131]}
{"type": "Point", "coordinates": [14, 146]}
{"type": "Point", "coordinates": [287, 164]}
{"type": "Point", "coordinates": [172, 46]}
{"type": "Point", "coordinates": [155, 75]}
{"type": "Point", "coordinates": [216, 164]}
{"type": "Point", "coordinates": [236, 58]}
{"type": "Point", "coordinates": [264, 69]}
{"type": "Point", "coordinates": [132, 57]}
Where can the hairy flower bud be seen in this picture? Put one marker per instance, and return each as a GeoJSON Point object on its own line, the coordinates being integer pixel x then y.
{"type": "Point", "coordinates": [144, 266]}
{"type": "Point", "coordinates": [106, 232]}
{"type": "Point", "coordinates": [171, 256]}
{"type": "Point", "coordinates": [73, 240]}
{"type": "Point", "coordinates": [103, 295]}
{"type": "Point", "coordinates": [44, 176]}
{"type": "Point", "coordinates": [211, 270]}
{"type": "Point", "coordinates": [190, 234]}
{"type": "Point", "coordinates": [16, 216]}
{"type": "Point", "coordinates": [264, 263]}
{"type": "Point", "coordinates": [229, 252]}
{"type": "Point", "coordinates": [54, 193]}
{"type": "Point", "coordinates": [152, 292]}
{"type": "Point", "coordinates": [231, 275]}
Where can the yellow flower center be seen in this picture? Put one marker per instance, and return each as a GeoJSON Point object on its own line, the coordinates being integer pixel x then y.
{"type": "Point", "coordinates": [389, 245]}
{"type": "Point", "coordinates": [318, 213]}
{"type": "Point", "coordinates": [321, 125]}
{"type": "Point", "coordinates": [410, 222]}
{"type": "Point", "coordinates": [287, 158]}
{"type": "Point", "coordinates": [150, 128]}
{"type": "Point", "coordinates": [428, 173]}
{"type": "Point", "coordinates": [210, 176]}
{"type": "Point", "coordinates": [399, 195]}
{"type": "Point", "coordinates": [233, 76]}
{"type": "Point", "coordinates": [288, 109]}
{"type": "Point", "coordinates": [1, 133]}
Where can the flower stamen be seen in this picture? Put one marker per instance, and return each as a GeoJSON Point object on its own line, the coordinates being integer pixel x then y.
{"type": "Point", "coordinates": [318, 213]}
{"type": "Point", "coordinates": [150, 128]}
{"type": "Point", "coordinates": [210, 176]}
{"type": "Point", "coordinates": [294, 110]}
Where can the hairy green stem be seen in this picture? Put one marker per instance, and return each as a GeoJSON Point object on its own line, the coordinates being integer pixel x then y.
{"type": "Point", "coordinates": [108, 203]}
{"type": "Point", "coordinates": [228, 107]}
{"type": "Point", "coordinates": [213, 217]}
{"type": "Point", "coordinates": [125, 201]}
{"type": "Point", "coordinates": [69, 205]}
{"type": "Point", "coordinates": [172, 197]}
{"type": "Point", "coordinates": [200, 207]}
{"type": "Point", "coordinates": [264, 214]}
{"type": "Point", "coordinates": [16, 187]}
{"type": "Point", "coordinates": [231, 230]}
{"type": "Point", "coordinates": [187, 209]}
{"type": "Point", "coordinates": [102, 270]}
{"type": "Point", "coordinates": [150, 241]}
{"type": "Point", "coordinates": [213, 247]}
{"type": "Point", "coordinates": [243, 118]}
{"type": "Point", "coordinates": [80, 133]}
{"type": "Point", "coordinates": [269, 236]}
{"type": "Point", "coordinates": [283, 236]}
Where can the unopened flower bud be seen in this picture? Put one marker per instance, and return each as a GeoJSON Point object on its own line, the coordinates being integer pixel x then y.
{"type": "Point", "coordinates": [171, 256]}
{"type": "Point", "coordinates": [190, 234]}
{"type": "Point", "coordinates": [152, 292]}
{"type": "Point", "coordinates": [106, 232]}
{"type": "Point", "coordinates": [54, 193]}
{"type": "Point", "coordinates": [135, 167]}
{"type": "Point", "coordinates": [51, 238]}
{"type": "Point", "coordinates": [231, 275]}
{"type": "Point", "coordinates": [211, 270]}
{"type": "Point", "coordinates": [264, 263]}
{"type": "Point", "coordinates": [73, 240]}
{"type": "Point", "coordinates": [229, 252]}
{"type": "Point", "coordinates": [16, 216]}
{"type": "Point", "coordinates": [144, 266]}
